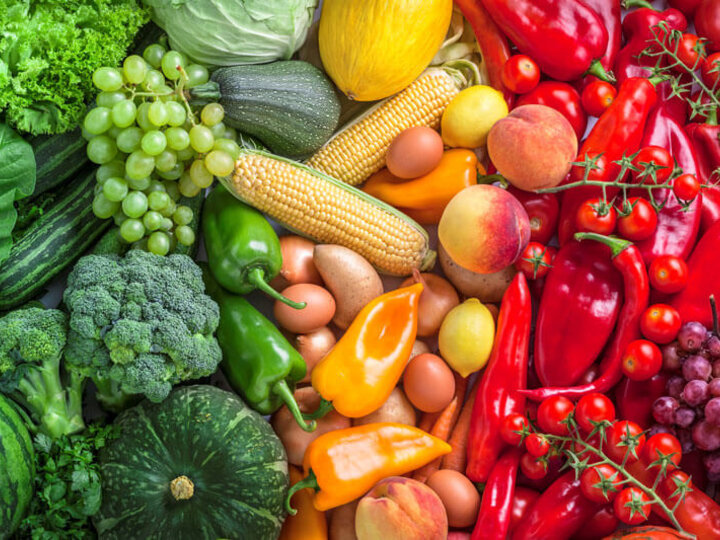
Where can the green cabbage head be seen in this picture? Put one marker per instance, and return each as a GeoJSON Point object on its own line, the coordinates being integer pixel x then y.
{"type": "Point", "coordinates": [234, 32]}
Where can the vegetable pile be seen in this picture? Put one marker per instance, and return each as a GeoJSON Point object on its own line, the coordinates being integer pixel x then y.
{"type": "Point", "coordinates": [263, 278]}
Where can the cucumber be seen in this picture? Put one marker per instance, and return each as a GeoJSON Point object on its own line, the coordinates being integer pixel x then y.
{"type": "Point", "coordinates": [58, 157]}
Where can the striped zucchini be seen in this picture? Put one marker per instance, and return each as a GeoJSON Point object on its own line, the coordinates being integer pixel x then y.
{"type": "Point", "coordinates": [52, 243]}
{"type": "Point", "coordinates": [58, 157]}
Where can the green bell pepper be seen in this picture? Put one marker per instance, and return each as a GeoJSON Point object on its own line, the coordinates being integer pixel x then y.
{"type": "Point", "coordinates": [242, 248]}
{"type": "Point", "coordinates": [258, 362]}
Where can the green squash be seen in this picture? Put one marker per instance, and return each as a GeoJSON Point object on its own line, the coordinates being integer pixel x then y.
{"type": "Point", "coordinates": [199, 465]}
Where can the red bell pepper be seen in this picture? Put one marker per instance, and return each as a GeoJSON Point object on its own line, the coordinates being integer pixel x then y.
{"type": "Point", "coordinates": [603, 523]}
{"type": "Point", "coordinates": [705, 139]}
{"type": "Point", "coordinates": [563, 98]}
{"type": "Point", "coordinates": [505, 373]}
{"type": "Point", "coordinates": [493, 44]}
{"type": "Point", "coordinates": [566, 38]}
{"type": "Point", "coordinates": [628, 260]}
{"type": "Point", "coordinates": [496, 508]}
{"type": "Point", "coordinates": [560, 511]}
{"type": "Point", "coordinates": [617, 132]}
{"type": "Point", "coordinates": [610, 12]}
{"type": "Point", "coordinates": [578, 309]}
{"type": "Point", "coordinates": [542, 210]}
{"type": "Point", "coordinates": [635, 399]}
{"type": "Point", "coordinates": [703, 280]}
{"type": "Point", "coordinates": [688, 7]}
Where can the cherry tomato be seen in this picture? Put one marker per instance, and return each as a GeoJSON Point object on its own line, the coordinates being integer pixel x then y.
{"type": "Point", "coordinates": [640, 219]}
{"type": "Point", "coordinates": [686, 187]}
{"type": "Point", "coordinates": [532, 467]}
{"type": "Point", "coordinates": [523, 499]}
{"type": "Point", "coordinates": [542, 210]}
{"type": "Point", "coordinates": [536, 260]}
{"type": "Point", "coordinates": [690, 51]}
{"type": "Point", "coordinates": [632, 506]}
{"type": "Point", "coordinates": [520, 74]}
{"type": "Point", "coordinates": [668, 274]}
{"type": "Point", "coordinates": [662, 444]}
{"type": "Point", "coordinates": [642, 360]}
{"type": "Point", "coordinates": [660, 323]}
{"type": "Point", "coordinates": [597, 97]}
{"type": "Point", "coordinates": [552, 414]}
{"type": "Point", "coordinates": [597, 172]}
{"type": "Point", "coordinates": [596, 215]}
{"type": "Point", "coordinates": [537, 445]}
{"type": "Point", "coordinates": [670, 484]}
{"type": "Point", "coordinates": [707, 23]}
{"type": "Point", "coordinates": [653, 160]}
{"type": "Point", "coordinates": [710, 69]}
{"type": "Point", "coordinates": [600, 483]}
{"type": "Point", "coordinates": [591, 408]}
{"type": "Point", "coordinates": [512, 428]}
{"type": "Point", "coordinates": [620, 439]}
{"type": "Point", "coordinates": [564, 99]}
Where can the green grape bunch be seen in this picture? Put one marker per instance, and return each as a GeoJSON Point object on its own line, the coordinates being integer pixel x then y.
{"type": "Point", "coordinates": [152, 147]}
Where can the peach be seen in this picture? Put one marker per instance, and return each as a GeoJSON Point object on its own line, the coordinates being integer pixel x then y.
{"type": "Point", "coordinates": [484, 229]}
{"type": "Point", "coordinates": [533, 147]}
{"type": "Point", "coordinates": [400, 508]}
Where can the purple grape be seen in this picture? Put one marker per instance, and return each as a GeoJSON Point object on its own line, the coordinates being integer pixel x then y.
{"type": "Point", "coordinates": [696, 368]}
{"type": "Point", "coordinates": [691, 336]}
{"type": "Point", "coordinates": [675, 386]}
{"type": "Point", "coordinates": [664, 408]}
{"type": "Point", "coordinates": [671, 357]}
{"type": "Point", "coordinates": [713, 346]}
{"type": "Point", "coordinates": [712, 465]}
{"type": "Point", "coordinates": [706, 436]}
{"type": "Point", "coordinates": [714, 387]}
{"type": "Point", "coordinates": [684, 417]}
{"type": "Point", "coordinates": [659, 428]}
{"type": "Point", "coordinates": [712, 411]}
{"type": "Point", "coordinates": [686, 440]}
{"type": "Point", "coordinates": [695, 393]}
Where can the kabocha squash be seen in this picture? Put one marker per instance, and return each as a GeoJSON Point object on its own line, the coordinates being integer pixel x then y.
{"type": "Point", "coordinates": [17, 469]}
{"type": "Point", "coordinates": [375, 48]}
{"type": "Point", "coordinates": [200, 465]}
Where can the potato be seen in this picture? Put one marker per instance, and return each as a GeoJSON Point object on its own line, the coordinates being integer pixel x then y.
{"type": "Point", "coordinates": [396, 409]}
{"type": "Point", "coordinates": [419, 347]}
{"type": "Point", "coordinates": [484, 287]}
{"type": "Point", "coordinates": [342, 522]}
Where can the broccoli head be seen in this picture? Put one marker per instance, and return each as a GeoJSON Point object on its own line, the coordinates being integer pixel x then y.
{"type": "Point", "coordinates": [31, 349]}
{"type": "Point", "coordinates": [141, 322]}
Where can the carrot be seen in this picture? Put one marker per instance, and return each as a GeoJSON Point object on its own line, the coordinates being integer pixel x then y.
{"type": "Point", "coordinates": [457, 458]}
{"type": "Point", "coordinates": [441, 430]}
{"type": "Point", "coordinates": [427, 421]}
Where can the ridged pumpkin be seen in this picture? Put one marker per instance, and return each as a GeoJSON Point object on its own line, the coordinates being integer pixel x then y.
{"type": "Point", "coordinates": [372, 49]}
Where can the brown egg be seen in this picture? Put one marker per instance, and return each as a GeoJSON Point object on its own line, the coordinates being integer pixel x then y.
{"type": "Point", "coordinates": [318, 312]}
{"type": "Point", "coordinates": [429, 383]}
{"type": "Point", "coordinates": [415, 152]}
{"type": "Point", "coordinates": [458, 494]}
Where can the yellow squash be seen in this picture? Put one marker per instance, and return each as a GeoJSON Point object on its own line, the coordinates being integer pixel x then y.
{"type": "Point", "coordinates": [375, 48]}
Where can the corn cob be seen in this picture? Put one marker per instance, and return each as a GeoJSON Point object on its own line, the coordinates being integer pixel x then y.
{"type": "Point", "coordinates": [328, 211]}
{"type": "Point", "coordinates": [359, 150]}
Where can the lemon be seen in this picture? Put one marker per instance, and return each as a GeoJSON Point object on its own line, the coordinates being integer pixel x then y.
{"type": "Point", "coordinates": [470, 115]}
{"type": "Point", "coordinates": [466, 337]}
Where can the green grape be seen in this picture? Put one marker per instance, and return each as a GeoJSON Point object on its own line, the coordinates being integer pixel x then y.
{"type": "Point", "coordinates": [86, 134]}
{"type": "Point", "coordinates": [128, 140]}
{"type": "Point", "coordinates": [199, 174]}
{"type": "Point", "coordinates": [218, 130]}
{"type": "Point", "coordinates": [165, 92]}
{"type": "Point", "coordinates": [158, 200]}
{"type": "Point", "coordinates": [219, 163]}
{"type": "Point", "coordinates": [113, 132]}
{"type": "Point", "coordinates": [97, 189]}
{"type": "Point", "coordinates": [171, 188]}
{"type": "Point", "coordinates": [140, 184]}
{"type": "Point", "coordinates": [185, 235]}
{"type": "Point", "coordinates": [135, 204]}
{"type": "Point", "coordinates": [134, 69]}
{"type": "Point", "coordinates": [230, 133]}
{"type": "Point", "coordinates": [139, 165]}
{"type": "Point", "coordinates": [187, 187]}
{"type": "Point", "coordinates": [165, 161]}
{"type": "Point", "coordinates": [132, 230]}
{"type": "Point", "coordinates": [153, 80]}
{"type": "Point", "coordinates": [201, 139]}
{"type": "Point", "coordinates": [155, 185]}
{"type": "Point", "coordinates": [101, 149]}
{"type": "Point", "coordinates": [153, 142]}
{"type": "Point", "coordinates": [170, 62]}
{"type": "Point", "coordinates": [196, 75]}
{"type": "Point", "coordinates": [107, 79]}
{"type": "Point", "coordinates": [176, 113]}
{"type": "Point", "coordinates": [98, 120]}
{"type": "Point", "coordinates": [177, 138]}
{"type": "Point", "coordinates": [228, 146]}
{"type": "Point", "coordinates": [124, 113]}
{"type": "Point", "coordinates": [212, 114]}
{"type": "Point", "coordinates": [183, 215]}
{"type": "Point", "coordinates": [109, 170]}
{"type": "Point", "coordinates": [157, 113]}
{"type": "Point", "coordinates": [141, 244]}
{"type": "Point", "coordinates": [108, 99]}
{"type": "Point", "coordinates": [103, 208]}
{"type": "Point", "coordinates": [186, 154]}
{"type": "Point", "coordinates": [159, 243]}
{"type": "Point", "coordinates": [153, 54]}
{"type": "Point", "coordinates": [173, 174]}
{"type": "Point", "coordinates": [152, 220]}
{"type": "Point", "coordinates": [142, 117]}
{"type": "Point", "coordinates": [167, 224]}
{"type": "Point", "coordinates": [119, 217]}
{"type": "Point", "coordinates": [169, 210]}
{"type": "Point", "coordinates": [115, 189]}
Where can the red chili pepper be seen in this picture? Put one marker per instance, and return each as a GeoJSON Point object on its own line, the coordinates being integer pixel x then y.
{"type": "Point", "coordinates": [493, 44]}
{"type": "Point", "coordinates": [705, 139]}
{"type": "Point", "coordinates": [563, 98]}
{"type": "Point", "coordinates": [505, 373]}
{"type": "Point", "coordinates": [618, 131]}
{"type": "Point", "coordinates": [560, 512]}
{"type": "Point", "coordinates": [566, 38]}
{"type": "Point", "coordinates": [578, 309]}
{"type": "Point", "coordinates": [634, 399]}
{"type": "Point", "coordinates": [688, 7]}
{"type": "Point", "coordinates": [703, 280]}
{"type": "Point", "coordinates": [628, 260]}
{"type": "Point", "coordinates": [493, 520]}
{"type": "Point", "coordinates": [610, 12]}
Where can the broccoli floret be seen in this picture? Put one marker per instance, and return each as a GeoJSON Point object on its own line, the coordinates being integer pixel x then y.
{"type": "Point", "coordinates": [140, 324]}
{"type": "Point", "coordinates": [31, 349]}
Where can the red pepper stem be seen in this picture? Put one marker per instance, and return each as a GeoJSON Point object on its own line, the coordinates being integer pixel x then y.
{"type": "Point", "coordinates": [629, 4]}
{"type": "Point", "coordinates": [310, 481]}
{"type": "Point", "coordinates": [616, 245]}
{"type": "Point", "coordinates": [599, 71]}
{"type": "Point", "coordinates": [712, 117]}
{"type": "Point", "coordinates": [256, 276]}
{"type": "Point", "coordinates": [282, 389]}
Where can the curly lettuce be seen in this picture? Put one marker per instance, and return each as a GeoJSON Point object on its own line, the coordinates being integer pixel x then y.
{"type": "Point", "coordinates": [48, 52]}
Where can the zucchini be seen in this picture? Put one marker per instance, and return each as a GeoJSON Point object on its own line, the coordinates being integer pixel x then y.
{"type": "Point", "coordinates": [52, 242]}
{"type": "Point", "coordinates": [58, 157]}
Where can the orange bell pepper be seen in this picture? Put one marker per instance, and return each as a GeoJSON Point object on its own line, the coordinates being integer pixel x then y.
{"type": "Point", "coordinates": [361, 370]}
{"type": "Point", "coordinates": [425, 198]}
{"type": "Point", "coordinates": [344, 464]}
{"type": "Point", "coordinates": [309, 523]}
